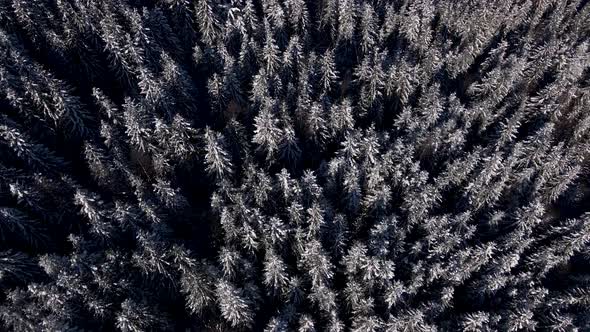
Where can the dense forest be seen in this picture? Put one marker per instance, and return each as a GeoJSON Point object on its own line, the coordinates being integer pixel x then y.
{"type": "Point", "coordinates": [295, 165]}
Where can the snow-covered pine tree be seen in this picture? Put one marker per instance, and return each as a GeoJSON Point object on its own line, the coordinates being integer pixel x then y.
{"type": "Point", "coordinates": [294, 165]}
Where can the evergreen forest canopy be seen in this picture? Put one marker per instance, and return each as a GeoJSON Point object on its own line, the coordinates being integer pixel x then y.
{"type": "Point", "coordinates": [293, 165]}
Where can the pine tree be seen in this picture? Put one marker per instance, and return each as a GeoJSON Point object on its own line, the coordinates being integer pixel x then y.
{"type": "Point", "coordinates": [290, 165]}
